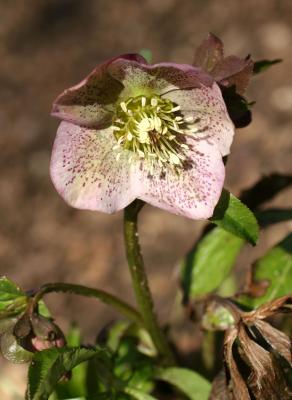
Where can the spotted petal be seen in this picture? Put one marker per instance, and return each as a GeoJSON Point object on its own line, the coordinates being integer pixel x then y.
{"type": "Point", "coordinates": [206, 110]}
{"type": "Point", "coordinates": [143, 79]}
{"type": "Point", "coordinates": [85, 171]}
{"type": "Point", "coordinates": [194, 191]}
{"type": "Point", "coordinates": [91, 102]}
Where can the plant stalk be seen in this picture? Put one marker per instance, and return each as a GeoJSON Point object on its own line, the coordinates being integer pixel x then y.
{"type": "Point", "coordinates": [107, 298]}
{"type": "Point", "coordinates": [140, 281]}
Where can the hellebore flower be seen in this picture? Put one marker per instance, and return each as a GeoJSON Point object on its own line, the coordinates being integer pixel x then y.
{"type": "Point", "coordinates": [133, 130]}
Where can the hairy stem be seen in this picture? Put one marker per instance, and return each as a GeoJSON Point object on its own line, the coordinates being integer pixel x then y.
{"type": "Point", "coordinates": [140, 282]}
{"type": "Point", "coordinates": [107, 298]}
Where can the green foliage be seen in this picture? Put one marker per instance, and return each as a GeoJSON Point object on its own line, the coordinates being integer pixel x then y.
{"type": "Point", "coordinates": [263, 65]}
{"type": "Point", "coordinates": [213, 256]}
{"type": "Point", "coordinates": [217, 318]}
{"type": "Point", "coordinates": [275, 270]}
{"type": "Point", "coordinates": [49, 366]}
{"type": "Point", "coordinates": [10, 348]}
{"type": "Point", "coordinates": [122, 374]}
{"type": "Point", "coordinates": [234, 217]}
{"type": "Point", "coordinates": [193, 385]}
{"type": "Point", "coordinates": [138, 394]}
{"type": "Point", "coordinates": [12, 299]}
{"type": "Point", "coordinates": [77, 384]}
{"type": "Point", "coordinates": [133, 367]}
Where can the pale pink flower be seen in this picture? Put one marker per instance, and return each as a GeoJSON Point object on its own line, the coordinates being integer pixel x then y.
{"type": "Point", "coordinates": [133, 130]}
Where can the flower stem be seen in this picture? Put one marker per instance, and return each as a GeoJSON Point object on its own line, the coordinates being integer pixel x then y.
{"type": "Point", "coordinates": [140, 282]}
{"type": "Point", "coordinates": [107, 298]}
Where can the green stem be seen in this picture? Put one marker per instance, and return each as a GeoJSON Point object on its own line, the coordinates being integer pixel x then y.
{"type": "Point", "coordinates": [140, 282]}
{"type": "Point", "coordinates": [107, 298]}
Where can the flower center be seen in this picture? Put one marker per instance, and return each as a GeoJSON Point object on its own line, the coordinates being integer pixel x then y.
{"type": "Point", "coordinates": [150, 127]}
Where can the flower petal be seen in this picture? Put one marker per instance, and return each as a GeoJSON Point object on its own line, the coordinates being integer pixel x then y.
{"type": "Point", "coordinates": [194, 191]}
{"type": "Point", "coordinates": [139, 79]}
{"type": "Point", "coordinates": [85, 171]}
{"type": "Point", "coordinates": [206, 107]}
{"type": "Point", "coordinates": [90, 103]}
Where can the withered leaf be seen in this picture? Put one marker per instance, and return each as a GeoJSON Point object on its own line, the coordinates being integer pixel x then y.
{"type": "Point", "coordinates": [281, 305]}
{"type": "Point", "coordinates": [235, 71]}
{"type": "Point", "coordinates": [236, 383]}
{"type": "Point", "coordinates": [266, 380]}
{"type": "Point", "coordinates": [228, 71]}
{"type": "Point", "coordinates": [257, 356]}
{"type": "Point", "coordinates": [276, 339]}
{"type": "Point", "coordinates": [219, 388]}
{"type": "Point", "coordinates": [209, 53]}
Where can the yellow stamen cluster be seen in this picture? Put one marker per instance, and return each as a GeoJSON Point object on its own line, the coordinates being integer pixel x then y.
{"type": "Point", "coordinates": [150, 127]}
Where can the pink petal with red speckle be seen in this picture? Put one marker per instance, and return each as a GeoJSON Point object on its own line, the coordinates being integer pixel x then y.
{"type": "Point", "coordinates": [141, 79]}
{"type": "Point", "coordinates": [194, 191]}
{"type": "Point", "coordinates": [206, 107]}
{"type": "Point", "coordinates": [91, 102]}
{"type": "Point", "coordinates": [85, 171]}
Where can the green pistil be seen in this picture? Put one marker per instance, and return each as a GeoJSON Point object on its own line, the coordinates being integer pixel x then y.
{"type": "Point", "coordinates": [150, 127]}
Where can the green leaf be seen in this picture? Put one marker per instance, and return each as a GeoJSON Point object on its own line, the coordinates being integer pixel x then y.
{"type": "Point", "coordinates": [11, 350]}
{"type": "Point", "coordinates": [234, 217]}
{"type": "Point", "coordinates": [274, 269]}
{"type": "Point", "coordinates": [49, 366]}
{"type": "Point", "coordinates": [115, 334]}
{"type": "Point", "coordinates": [43, 309]}
{"type": "Point", "coordinates": [213, 256]}
{"type": "Point", "coordinates": [188, 382]}
{"type": "Point", "coordinates": [263, 65]}
{"type": "Point", "coordinates": [138, 394]}
{"type": "Point", "coordinates": [76, 386]}
{"type": "Point", "coordinates": [273, 216]}
{"type": "Point", "coordinates": [217, 317]}
{"type": "Point", "coordinates": [12, 299]}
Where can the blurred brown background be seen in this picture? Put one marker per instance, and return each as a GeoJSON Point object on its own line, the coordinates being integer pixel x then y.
{"type": "Point", "coordinates": [49, 45]}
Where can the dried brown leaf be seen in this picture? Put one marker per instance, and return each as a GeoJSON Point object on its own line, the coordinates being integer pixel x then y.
{"type": "Point", "coordinates": [280, 305]}
{"type": "Point", "coordinates": [233, 70]}
{"type": "Point", "coordinates": [238, 385]}
{"type": "Point", "coordinates": [209, 53]}
{"type": "Point", "coordinates": [275, 338]}
{"type": "Point", "coordinates": [220, 389]}
{"type": "Point", "coordinates": [266, 380]}
{"type": "Point", "coordinates": [228, 71]}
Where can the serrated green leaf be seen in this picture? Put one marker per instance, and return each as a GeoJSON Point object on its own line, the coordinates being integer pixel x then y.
{"type": "Point", "coordinates": [49, 366]}
{"type": "Point", "coordinates": [234, 217]}
{"type": "Point", "coordinates": [193, 385]}
{"type": "Point", "coordinates": [76, 386]}
{"type": "Point", "coordinates": [213, 256]}
{"type": "Point", "coordinates": [138, 394]}
{"type": "Point", "coordinates": [263, 65]}
{"type": "Point", "coordinates": [275, 269]}
{"type": "Point", "coordinates": [12, 299]}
